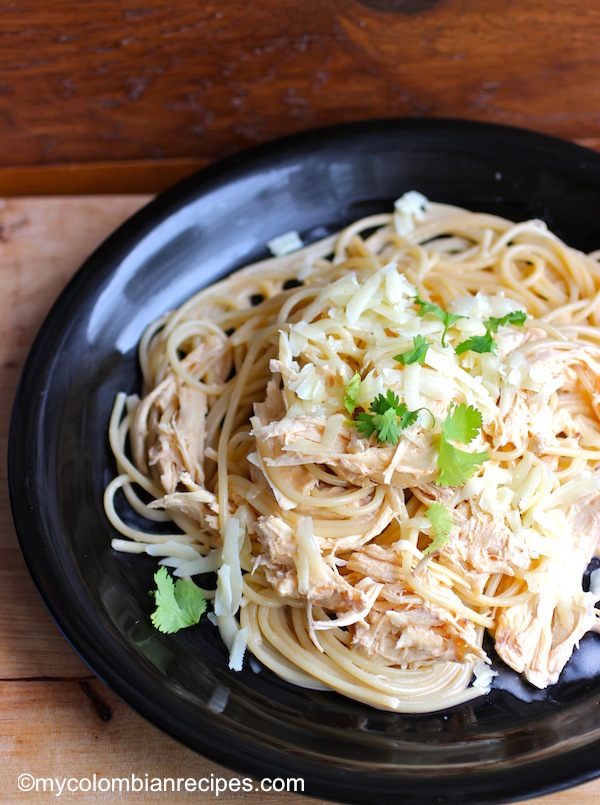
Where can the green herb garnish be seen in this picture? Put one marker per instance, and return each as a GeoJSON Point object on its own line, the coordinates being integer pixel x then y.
{"type": "Point", "coordinates": [416, 354]}
{"type": "Point", "coordinates": [441, 520]}
{"type": "Point", "coordinates": [456, 466]}
{"type": "Point", "coordinates": [447, 319]}
{"type": "Point", "coordinates": [485, 343]}
{"type": "Point", "coordinates": [178, 604]}
{"type": "Point", "coordinates": [351, 393]}
{"type": "Point", "coordinates": [387, 418]}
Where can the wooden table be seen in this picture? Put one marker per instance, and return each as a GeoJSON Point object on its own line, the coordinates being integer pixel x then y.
{"type": "Point", "coordinates": [57, 719]}
{"type": "Point", "coordinates": [157, 79]}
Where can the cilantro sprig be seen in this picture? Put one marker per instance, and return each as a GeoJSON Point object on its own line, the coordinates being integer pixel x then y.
{"type": "Point", "coordinates": [415, 355]}
{"type": "Point", "coordinates": [456, 466]}
{"type": "Point", "coordinates": [486, 343]}
{"type": "Point", "coordinates": [447, 319]}
{"type": "Point", "coordinates": [387, 418]}
{"type": "Point", "coordinates": [178, 604]}
{"type": "Point", "coordinates": [441, 522]}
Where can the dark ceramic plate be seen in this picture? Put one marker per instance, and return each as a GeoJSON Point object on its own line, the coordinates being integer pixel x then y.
{"type": "Point", "coordinates": [509, 745]}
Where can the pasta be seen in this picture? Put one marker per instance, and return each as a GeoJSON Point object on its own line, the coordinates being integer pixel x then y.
{"type": "Point", "coordinates": [385, 444]}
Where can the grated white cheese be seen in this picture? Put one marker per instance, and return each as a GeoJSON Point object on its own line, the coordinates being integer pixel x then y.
{"type": "Point", "coordinates": [228, 596]}
{"type": "Point", "coordinates": [201, 564]}
{"type": "Point", "coordinates": [284, 244]}
{"type": "Point", "coordinates": [361, 300]}
{"type": "Point", "coordinates": [484, 675]}
{"type": "Point", "coordinates": [309, 385]}
{"type": "Point", "coordinates": [409, 208]}
{"type": "Point", "coordinates": [238, 649]}
{"type": "Point", "coordinates": [310, 566]}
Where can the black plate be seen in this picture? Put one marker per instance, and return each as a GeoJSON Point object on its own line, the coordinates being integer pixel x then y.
{"type": "Point", "coordinates": [506, 746]}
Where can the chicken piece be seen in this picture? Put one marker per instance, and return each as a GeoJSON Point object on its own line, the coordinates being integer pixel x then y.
{"type": "Point", "coordinates": [431, 493]}
{"type": "Point", "coordinates": [481, 544]}
{"type": "Point", "coordinates": [515, 426]}
{"type": "Point", "coordinates": [279, 555]}
{"type": "Point", "coordinates": [297, 478]}
{"type": "Point", "coordinates": [583, 518]}
{"type": "Point", "coordinates": [174, 434]}
{"type": "Point", "coordinates": [273, 406]}
{"type": "Point", "coordinates": [527, 638]}
{"type": "Point", "coordinates": [404, 465]}
{"type": "Point", "coordinates": [168, 429]}
{"type": "Point", "coordinates": [537, 638]}
{"type": "Point", "coordinates": [278, 546]}
{"type": "Point", "coordinates": [195, 503]}
{"type": "Point", "coordinates": [418, 635]}
{"type": "Point", "coordinates": [180, 444]}
{"type": "Point", "coordinates": [298, 441]}
{"type": "Point", "coordinates": [529, 417]}
{"type": "Point", "coordinates": [377, 563]}
{"type": "Point", "coordinates": [572, 370]}
{"type": "Point", "coordinates": [403, 627]}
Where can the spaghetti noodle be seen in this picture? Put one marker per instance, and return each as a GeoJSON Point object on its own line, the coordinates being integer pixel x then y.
{"type": "Point", "coordinates": [384, 444]}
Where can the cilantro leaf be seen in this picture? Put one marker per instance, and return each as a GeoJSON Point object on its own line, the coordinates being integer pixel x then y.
{"type": "Point", "coordinates": [178, 604]}
{"type": "Point", "coordinates": [477, 343]}
{"type": "Point", "coordinates": [416, 354]}
{"type": "Point", "coordinates": [517, 317]}
{"type": "Point", "coordinates": [387, 426]}
{"type": "Point", "coordinates": [485, 343]}
{"type": "Point", "coordinates": [387, 418]}
{"type": "Point", "coordinates": [456, 466]}
{"type": "Point", "coordinates": [447, 319]}
{"type": "Point", "coordinates": [407, 418]}
{"type": "Point", "coordinates": [382, 403]}
{"type": "Point", "coordinates": [351, 393]}
{"type": "Point", "coordinates": [462, 423]}
{"type": "Point", "coordinates": [427, 307]}
{"type": "Point", "coordinates": [366, 424]}
{"type": "Point", "coordinates": [442, 524]}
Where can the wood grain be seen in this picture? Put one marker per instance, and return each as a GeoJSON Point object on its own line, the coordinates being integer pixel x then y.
{"type": "Point", "coordinates": [151, 79]}
{"type": "Point", "coordinates": [78, 729]}
{"type": "Point", "coordinates": [148, 176]}
{"type": "Point", "coordinates": [57, 719]}
{"type": "Point", "coordinates": [42, 243]}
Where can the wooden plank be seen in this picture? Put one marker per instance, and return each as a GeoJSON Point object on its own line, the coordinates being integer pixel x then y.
{"type": "Point", "coordinates": [78, 728]}
{"type": "Point", "coordinates": [42, 243]}
{"type": "Point", "coordinates": [150, 79]}
{"type": "Point", "coordinates": [96, 178]}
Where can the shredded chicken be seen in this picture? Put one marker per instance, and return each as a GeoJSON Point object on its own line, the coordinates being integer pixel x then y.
{"type": "Point", "coordinates": [278, 557]}
{"type": "Point", "coordinates": [295, 441]}
{"type": "Point", "coordinates": [481, 545]}
{"type": "Point", "coordinates": [537, 638]}
{"type": "Point", "coordinates": [403, 627]}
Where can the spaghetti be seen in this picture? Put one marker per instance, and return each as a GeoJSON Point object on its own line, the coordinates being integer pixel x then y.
{"type": "Point", "coordinates": [383, 444]}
